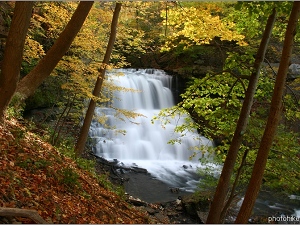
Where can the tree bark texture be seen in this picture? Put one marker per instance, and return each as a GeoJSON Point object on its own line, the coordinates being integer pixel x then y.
{"type": "Point", "coordinates": [273, 119]}
{"type": "Point", "coordinates": [96, 92]}
{"type": "Point", "coordinates": [223, 186]}
{"type": "Point", "coordinates": [43, 69]}
{"type": "Point", "coordinates": [28, 213]}
{"type": "Point", "coordinates": [13, 53]}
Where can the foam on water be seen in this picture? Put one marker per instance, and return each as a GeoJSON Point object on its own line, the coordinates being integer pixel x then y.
{"type": "Point", "coordinates": [146, 144]}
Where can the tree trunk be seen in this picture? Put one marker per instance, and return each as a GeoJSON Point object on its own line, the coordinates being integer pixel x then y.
{"type": "Point", "coordinates": [90, 112]}
{"type": "Point", "coordinates": [273, 119]}
{"type": "Point", "coordinates": [31, 81]}
{"type": "Point", "coordinates": [218, 203]}
{"type": "Point", "coordinates": [13, 53]}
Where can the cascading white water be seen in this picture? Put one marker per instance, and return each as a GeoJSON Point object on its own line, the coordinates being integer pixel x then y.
{"type": "Point", "coordinates": [146, 144]}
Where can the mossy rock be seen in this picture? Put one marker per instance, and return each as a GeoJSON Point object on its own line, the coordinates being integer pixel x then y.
{"type": "Point", "coordinates": [199, 202]}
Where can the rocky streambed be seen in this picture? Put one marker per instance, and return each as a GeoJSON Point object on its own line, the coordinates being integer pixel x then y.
{"type": "Point", "coordinates": [163, 203]}
{"type": "Point", "coordinates": [166, 204]}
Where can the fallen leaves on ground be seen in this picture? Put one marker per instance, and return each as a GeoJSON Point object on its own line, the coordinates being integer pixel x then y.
{"type": "Point", "coordinates": [31, 172]}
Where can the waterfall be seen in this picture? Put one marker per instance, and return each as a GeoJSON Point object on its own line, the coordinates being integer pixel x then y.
{"type": "Point", "coordinates": [145, 144]}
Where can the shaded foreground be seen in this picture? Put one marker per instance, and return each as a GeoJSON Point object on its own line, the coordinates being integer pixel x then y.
{"type": "Point", "coordinates": [34, 175]}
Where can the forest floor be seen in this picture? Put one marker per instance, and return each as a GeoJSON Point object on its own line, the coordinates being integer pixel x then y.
{"type": "Point", "coordinates": [37, 176]}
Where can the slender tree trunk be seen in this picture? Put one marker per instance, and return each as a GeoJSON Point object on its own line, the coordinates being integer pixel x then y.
{"type": "Point", "coordinates": [166, 27]}
{"type": "Point", "coordinates": [273, 119]}
{"type": "Point", "coordinates": [90, 112]}
{"type": "Point", "coordinates": [13, 53]}
{"type": "Point", "coordinates": [31, 81]}
{"type": "Point", "coordinates": [218, 203]}
{"type": "Point", "coordinates": [61, 120]}
{"type": "Point", "coordinates": [235, 183]}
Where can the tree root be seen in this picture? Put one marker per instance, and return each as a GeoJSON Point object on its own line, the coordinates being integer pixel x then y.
{"type": "Point", "coordinates": [27, 213]}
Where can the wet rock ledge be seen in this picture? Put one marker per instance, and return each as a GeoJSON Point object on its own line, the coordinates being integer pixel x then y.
{"type": "Point", "coordinates": [164, 204]}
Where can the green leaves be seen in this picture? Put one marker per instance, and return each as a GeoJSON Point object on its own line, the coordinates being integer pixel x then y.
{"type": "Point", "coordinates": [248, 17]}
{"type": "Point", "coordinates": [69, 178]}
{"type": "Point", "coordinates": [214, 103]}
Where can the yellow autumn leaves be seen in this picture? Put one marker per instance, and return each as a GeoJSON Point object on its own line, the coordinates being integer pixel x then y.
{"type": "Point", "coordinates": [198, 26]}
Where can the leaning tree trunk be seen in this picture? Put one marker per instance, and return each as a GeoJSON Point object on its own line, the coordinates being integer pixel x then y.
{"type": "Point", "coordinates": [43, 69]}
{"type": "Point", "coordinates": [13, 53]}
{"type": "Point", "coordinates": [218, 203]}
{"type": "Point", "coordinates": [90, 112]}
{"type": "Point", "coordinates": [273, 119]}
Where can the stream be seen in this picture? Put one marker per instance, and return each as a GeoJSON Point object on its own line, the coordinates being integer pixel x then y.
{"type": "Point", "coordinates": [145, 143]}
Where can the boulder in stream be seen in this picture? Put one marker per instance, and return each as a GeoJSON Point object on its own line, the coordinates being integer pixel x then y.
{"type": "Point", "coordinates": [197, 205]}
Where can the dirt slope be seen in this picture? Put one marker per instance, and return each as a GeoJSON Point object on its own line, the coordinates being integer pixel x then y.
{"type": "Point", "coordinates": [34, 175]}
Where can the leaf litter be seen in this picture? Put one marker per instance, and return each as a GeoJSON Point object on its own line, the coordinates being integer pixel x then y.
{"type": "Point", "coordinates": [31, 172]}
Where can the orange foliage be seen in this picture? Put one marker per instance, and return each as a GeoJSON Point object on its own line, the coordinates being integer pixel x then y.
{"type": "Point", "coordinates": [29, 179]}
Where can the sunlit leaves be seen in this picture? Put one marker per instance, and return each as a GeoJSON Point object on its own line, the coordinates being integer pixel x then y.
{"type": "Point", "coordinates": [90, 44]}
{"type": "Point", "coordinates": [48, 21]}
{"type": "Point", "coordinates": [131, 41]}
{"type": "Point", "coordinates": [32, 50]}
{"type": "Point", "coordinates": [55, 16]}
{"type": "Point", "coordinates": [214, 103]}
{"type": "Point", "coordinates": [250, 15]}
{"type": "Point", "coordinates": [197, 26]}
